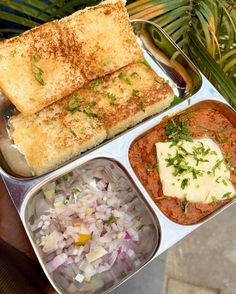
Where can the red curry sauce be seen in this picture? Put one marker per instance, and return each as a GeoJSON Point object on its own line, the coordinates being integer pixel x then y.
{"type": "Point", "coordinates": [205, 122]}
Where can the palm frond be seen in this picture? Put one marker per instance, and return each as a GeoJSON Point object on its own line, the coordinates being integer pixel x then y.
{"type": "Point", "coordinates": [212, 69]}
{"type": "Point", "coordinates": [204, 29]}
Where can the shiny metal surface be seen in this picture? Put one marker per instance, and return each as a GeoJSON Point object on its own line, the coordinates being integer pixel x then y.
{"type": "Point", "coordinates": [200, 92]}
{"type": "Point", "coordinates": [115, 170]}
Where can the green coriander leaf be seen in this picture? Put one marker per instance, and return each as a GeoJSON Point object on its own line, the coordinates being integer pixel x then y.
{"type": "Point", "coordinates": [184, 205]}
{"type": "Point", "coordinates": [222, 131]}
{"type": "Point", "coordinates": [38, 77]}
{"type": "Point", "coordinates": [214, 199]}
{"type": "Point", "coordinates": [184, 183]}
{"type": "Point", "coordinates": [176, 101]}
{"type": "Point", "coordinates": [129, 41]}
{"type": "Point", "coordinates": [73, 133]}
{"type": "Point", "coordinates": [75, 190]}
{"type": "Point", "coordinates": [144, 62]}
{"type": "Point", "coordinates": [35, 58]}
{"type": "Point", "coordinates": [135, 93]}
{"type": "Point", "coordinates": [227, 195]}
{"type": "Point", "coordinates": [134, 74]}
{"type": "Point", "coordinates": [142, 105]}
{"type": "Point", "coordinates": [111, 96]}
{"type": "Point", "coordinates": [110, 221]}
{"type": "Point", "coordinates": [91, 105]}
{"type": "Point", "coordinates": [106, 61]}
{"type": "Point", "coordinates": [123, 76]}
{"type": "Point", "coordinates": [149, 168]}
{"type": "Point", "coordinates": [217, 165]}
{"type": "Point", "coordinates": [92, 114]}
{"type": "Point", "coordinates": [178, 130]}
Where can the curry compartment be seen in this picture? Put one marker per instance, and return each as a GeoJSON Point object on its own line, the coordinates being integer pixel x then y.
{"type": "Point", "coordinates": [160, 52]}
{"type": "Point", "coordinates": [88, 174]}
{"type": "Point", "coordinates": [212, 119]}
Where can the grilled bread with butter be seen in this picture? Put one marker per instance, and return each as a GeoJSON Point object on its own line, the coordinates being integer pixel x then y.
{"type": "Point", "coordinates": [51, 61]}
{"type": "Point", "coordinates": [100, 110]}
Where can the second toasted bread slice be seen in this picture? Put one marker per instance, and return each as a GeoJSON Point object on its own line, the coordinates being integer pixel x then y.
{"type": "Point", "coordinates": [100, 110]}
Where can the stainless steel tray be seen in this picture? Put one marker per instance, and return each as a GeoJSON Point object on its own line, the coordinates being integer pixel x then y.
{"type": "Point", "coordinates": [188, 83]}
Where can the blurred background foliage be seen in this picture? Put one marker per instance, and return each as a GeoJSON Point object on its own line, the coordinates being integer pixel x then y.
{"type": "Point", "coordinates": [204, 29]}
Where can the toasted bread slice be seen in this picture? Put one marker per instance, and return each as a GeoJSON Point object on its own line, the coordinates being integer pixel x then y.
{"type": "Point", "coordinates": [53, 136]}
{"type": "Point", "coordinates": [51, 61]}
{"type": "Point", "coordinates": [130, 95]}
{"type": "Point", "coordinates": [100, 110]}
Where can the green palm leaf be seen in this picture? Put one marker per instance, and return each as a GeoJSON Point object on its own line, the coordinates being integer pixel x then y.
{"type": "Point", "coordinates": [206, 24]}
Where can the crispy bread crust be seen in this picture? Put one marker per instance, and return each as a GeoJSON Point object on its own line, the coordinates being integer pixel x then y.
{"type": "Point", "coordinates": [55, 135]}
{"type": "Point", "coordinates": [72, 51]}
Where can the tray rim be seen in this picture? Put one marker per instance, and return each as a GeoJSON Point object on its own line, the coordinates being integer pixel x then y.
{"type": "Point", "coordinates": [141, 197]}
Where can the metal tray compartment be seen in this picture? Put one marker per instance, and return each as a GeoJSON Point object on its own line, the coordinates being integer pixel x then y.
{"type": "Point", "coordinates": [213, 104]}
{"type": "Point", "coordinates": [147, 248]}
{"type": "Point", "coordinates": [165, 58]}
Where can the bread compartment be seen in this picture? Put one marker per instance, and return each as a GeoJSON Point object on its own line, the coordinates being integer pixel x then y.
{"type": "Point", "coordinates": [49, 140]}
{"type": "Point", "coordinates": [108, 179]}
{"type": "Point", "coordinates": [205, 183]}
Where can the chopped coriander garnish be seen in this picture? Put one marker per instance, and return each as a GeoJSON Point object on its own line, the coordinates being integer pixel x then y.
{"type": "Point", "coordinates": [197, 186]}
{"type": "Point", "coordinates": [110, 221]}
{"type": "Point", "coordinates": [37, 71]}
{"type": "Point", "coordinates": [94, 84]}
{"type": "Point", "coordinates": [144, 61]}
{"type": "Point", "coordinates": [213, 152]}
{"type": "Point", "coordinates": [92, 114]}
{"type": "Point", "coordinates": [222, 131]}
{"type": "Point", "coordinates": [91, 105]}
{"type": "Point", "coordinates": [230, 164]}
{"type": "Point", "coordinates": [217, 180]}
{"type": "Point", "coordinates": [212, 137]}
{"type": "Point", "coordinates": [224, 182]}
{"type": "Point", "coordinates": [149, 168]}
{"type": "Point", "coordinates": [75, 190]}
{"type": "Point", "coordinates": [160, 80]}
{"type": "Point", "coordinates": [35, 58]}
{"type": "Point", "coordinates": [217, 165]}
{"type": "Point", "coordinates": [142, 105]}
{"type": "Point", "coordinates": [214, 199]}
{"type": "Point", "coordinates": [98, 82]}
{"type": "Point", "coordinates": [224, 140]}
{"type": "Point", "coordinates": [135, 93]}
{"type": "Point", "coordinates": [67, 176]}
{"type": "Point", "coordinates": [129, 41]}
{"type": "Point", "coordinates": [82, 130]}
{"type": "Point", "coordinates": [227, 195]}
{"type": "Point", "coordinates": [184, 183]}
{"type": "Point", "coordinates": [68, 199]}
{"type": "Point", "coordinates": [100, 124]}
{"type": "Point", "coordinates": [189, 101]}
{"type": "Point", "coordinates": [74, 105]}
{"type": "Point", "coordinates": [134, 74]}
{"type": "Point", "coordinates": [176, 101]}
{"type": "Point", "coordinates": [73, 133]}
{"type": "Point", "coordinates": [111, 96]}
{"type": "Point", "coordinates": [106, 61]}
{"type": "Point", "coordinates": [123, 76]}
{"type": "Point", "coordinates": [184, 205]}
{"type": "Point", "coordinates": [178, 130]}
